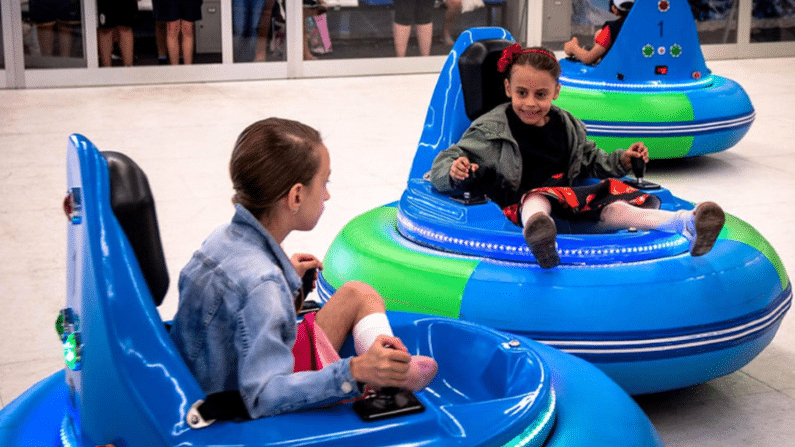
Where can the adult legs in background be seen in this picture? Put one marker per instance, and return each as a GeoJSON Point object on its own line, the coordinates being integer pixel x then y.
{"type": "Point", "coordinates": [401, 34]}
{"type": "Point", "coordinates": [105, 41]}
{"type": "Point", "coordinates": [172, 41]}
{"type": "Point", "coordinates": [425, 38]}
{"type": "Point", "coordinates": [246, 16]}
{"type": "Point", "coordinates": [452, 12]}
{"type": "Point", "coordinates": [408, 12]}
{"type": "Point", "coordinates": [106, 38]}
{"type": "Point", "coordinates": [180, 41]}
{"type": "Point", "coordinates": [161, 31]}
{"type": "Point", "coordinates": [126, 44]}
{"type": "Point", "coordinates": [263, 29]}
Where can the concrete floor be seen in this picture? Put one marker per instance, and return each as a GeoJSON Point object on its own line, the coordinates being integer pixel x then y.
{"type": "Point", "coordinates": [182, 137]}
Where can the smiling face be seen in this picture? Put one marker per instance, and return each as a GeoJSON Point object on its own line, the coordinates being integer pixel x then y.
{"type": "Point", "coordinates": [531, 92]}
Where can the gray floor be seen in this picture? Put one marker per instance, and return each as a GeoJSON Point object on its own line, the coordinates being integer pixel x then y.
{"type": "Point", "coordinates": [182, 136]}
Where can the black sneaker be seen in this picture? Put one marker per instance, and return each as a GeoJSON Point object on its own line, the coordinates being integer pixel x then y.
{"type": "Point", "coordinates": [540, 234]}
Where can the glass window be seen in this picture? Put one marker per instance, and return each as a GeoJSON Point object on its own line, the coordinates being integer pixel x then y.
{"type": "Point", "coordinates": [2, 52]}
{"type": "Point", "coordinates": [773, 21]}
{"type": "Point", "coordinates": [716, 20]}
{"type": "Point", "coordinates": [349, 29]}
{"type": "Point", "coordinates": [587, 18]}
{"type": "Point", "coordinates": [258, 30]}
{"type": "Point", "coordinates": [52, 33]}
{"type": "Point", "coordinates": [158, 32]}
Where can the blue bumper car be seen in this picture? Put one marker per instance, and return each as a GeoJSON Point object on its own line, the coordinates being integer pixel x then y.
{"type": "Point", "coordinates": [634, 303]}
{"type": "Point", "coordinates": [125, 385]}
{"type": "Point", "coordinates": [654, 86]}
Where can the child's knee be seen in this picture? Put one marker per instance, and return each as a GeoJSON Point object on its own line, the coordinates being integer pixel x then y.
{"type": "Point", "coordinates": [612, 211]}
{"type": "Point", "coordinates": [363, 293]}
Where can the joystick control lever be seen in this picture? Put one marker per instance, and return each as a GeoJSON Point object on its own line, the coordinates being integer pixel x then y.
{"type": "Point", "coordinates": [639, 170]}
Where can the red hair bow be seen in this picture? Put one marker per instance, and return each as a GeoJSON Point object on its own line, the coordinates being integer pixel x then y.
{"type": "Point", "coordinates": [508, 56]}
{"type": "Point", "coordinates": [512, 52]}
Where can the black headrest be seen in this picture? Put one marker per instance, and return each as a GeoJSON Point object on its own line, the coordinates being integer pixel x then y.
{"type": "Point", "coordinates": [481, 83]}
{"type": "Point", "coordinates": [134, 207]}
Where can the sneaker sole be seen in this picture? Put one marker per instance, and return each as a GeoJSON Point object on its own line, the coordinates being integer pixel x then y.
{"type": "Point", "coordinates": [540, 234]}
{"type": "Point", "coordinates": [709, 220]}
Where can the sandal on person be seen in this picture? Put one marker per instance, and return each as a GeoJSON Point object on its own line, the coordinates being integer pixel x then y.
{"type": "Point", "coordinates": [540, 234]}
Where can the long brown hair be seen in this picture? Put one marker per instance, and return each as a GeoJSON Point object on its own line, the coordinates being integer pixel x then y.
{"type": "Point", "coordinates": [270, 156]}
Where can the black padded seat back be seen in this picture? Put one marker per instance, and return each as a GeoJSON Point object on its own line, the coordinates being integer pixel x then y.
{"type": "Point", "coordinates": [481, 83]}
{"type": "Point", "coordinates": [134, 208]}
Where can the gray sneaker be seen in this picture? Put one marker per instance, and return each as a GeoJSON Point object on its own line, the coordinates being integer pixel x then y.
{"type": "Point", "coordinates": [704, 227]}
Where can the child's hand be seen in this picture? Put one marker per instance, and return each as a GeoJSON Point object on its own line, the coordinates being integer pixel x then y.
{"type": "Point", "coordinates": [303, 262]}
{"type": "Point", "coordinates": [385, 364]}
{"type": "Point", "coordinates": [570, 47]}
{"type": "Point", "coordinates": [461, 168]}
{"type": "Point", "coordinates": [637, 150]}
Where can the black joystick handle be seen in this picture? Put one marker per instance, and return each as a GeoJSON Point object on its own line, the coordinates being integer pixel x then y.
{"type": "Point", "coordinates": [638, 168]}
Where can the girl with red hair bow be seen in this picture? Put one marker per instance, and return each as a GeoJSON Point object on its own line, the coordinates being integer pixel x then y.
{"type": "Point", "coordinates": [527, 155]}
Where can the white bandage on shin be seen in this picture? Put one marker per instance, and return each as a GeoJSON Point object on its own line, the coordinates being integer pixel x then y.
{"type": "Point", "coordinates": [368, 329]}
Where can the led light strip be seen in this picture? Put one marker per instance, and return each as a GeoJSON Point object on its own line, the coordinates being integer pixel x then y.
{"type": "Point", "coordinates": [701, 83]}
{"type": "Point", "coordinates": [421, 234]}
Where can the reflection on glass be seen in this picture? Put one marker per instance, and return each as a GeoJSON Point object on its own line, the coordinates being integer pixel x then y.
{"type": "Point", "coordinates": [317, 40]}
{"type": "Point", "coordinates": [773, 21]}
{"type": "Point", "coordinates": [258, 30]}
{"type": "Point", "coordinates": [174, 32]}
{"type": "Point", "coordinates": [52, 33]}
{"type": "Point", "coordinates": [588, 17]}
{"type": "Point", "coordinates": [115, 21]}
{"type": "Point", "coordinates": [716, 20]}
{"type": "Point", "coordinates": [2, 54]}
{"type": "Point", "coordinates": [351, 29]}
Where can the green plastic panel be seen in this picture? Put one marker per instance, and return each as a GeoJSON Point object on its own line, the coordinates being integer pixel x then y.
{"type": "Point", "coordinates": [659, 148]}
{"type": "Point", "coordinates": [738, 230]}
{"type": "Point", "coordinates": [594, 105]}
{"type": "Point", "coordinates": [408, 277]}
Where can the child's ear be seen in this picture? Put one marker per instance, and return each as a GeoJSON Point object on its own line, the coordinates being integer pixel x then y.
{"type": "Point", "coordinates": [295, 198]}
{"type": "Point", "coordinates": [507, 84]}
{"type": "Point", "coordinates": [557, 92]}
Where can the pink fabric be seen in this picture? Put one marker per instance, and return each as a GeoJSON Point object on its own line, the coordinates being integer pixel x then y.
{"type": "Point", "coordinates": [312, 350]}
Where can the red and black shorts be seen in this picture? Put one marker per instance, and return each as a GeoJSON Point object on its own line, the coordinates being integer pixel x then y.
{"type": "Point", "coordinates": [585, 203]}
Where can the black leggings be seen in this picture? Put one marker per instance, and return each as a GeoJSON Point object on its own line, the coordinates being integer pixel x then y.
{"type": "Point", "coordinates": [408, 12]}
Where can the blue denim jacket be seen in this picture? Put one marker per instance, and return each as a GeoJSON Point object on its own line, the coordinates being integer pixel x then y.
{"type": "Point", "coordinates": [236, 324]}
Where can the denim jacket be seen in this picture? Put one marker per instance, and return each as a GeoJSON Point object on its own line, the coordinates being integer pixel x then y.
{"type": "Point", "coordinates": [236, 324]}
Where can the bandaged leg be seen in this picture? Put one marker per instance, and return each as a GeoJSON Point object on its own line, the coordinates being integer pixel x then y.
{"type": "Point", "coordinates": [368, 329]}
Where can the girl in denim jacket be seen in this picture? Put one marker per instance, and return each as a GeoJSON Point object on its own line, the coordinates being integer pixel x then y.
{"type": "Point", "coordinates": [236, 326]}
